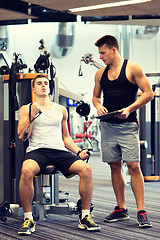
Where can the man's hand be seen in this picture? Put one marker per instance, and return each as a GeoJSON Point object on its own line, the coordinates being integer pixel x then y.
{"type": "Point", "coordinates": [84, 154]}
{"type": "Point", "coordinates": [124, 114]}
{"type": "Point", "coordinates": [35, 108]}
{"type": "Point", "coordinates": [101, 110]}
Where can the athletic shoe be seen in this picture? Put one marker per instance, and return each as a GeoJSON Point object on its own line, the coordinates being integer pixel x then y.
{"type": "Point", "coordinates": [27, 227]}
{"type": "Point", "coordinates": [88, 223]}
{"type": "Point", "coordinates": [119, 214]}
{"type": "Point", "coordinates": [142, 219]}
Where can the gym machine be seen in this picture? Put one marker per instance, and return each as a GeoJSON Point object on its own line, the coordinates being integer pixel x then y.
{"type": "Point", "coordinates": [15, 91]}
{"type": "Point", "coordinates": [88, 59]}
{"type": "Point", "coordinates": [83, 109]}
{"type": "Point", "coordinates": [150, 130]}
{"type": "Point", "coordinates": [46, 199]}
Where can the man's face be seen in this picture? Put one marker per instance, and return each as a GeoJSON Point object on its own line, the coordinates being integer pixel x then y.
{"type": "Point", "coordinates": [41, 87]}
{"type": "Point", "coordinates": [106, 54]}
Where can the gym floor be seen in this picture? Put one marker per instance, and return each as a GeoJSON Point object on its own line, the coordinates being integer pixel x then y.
{"type": "Point", "coordinates": [65, 226]}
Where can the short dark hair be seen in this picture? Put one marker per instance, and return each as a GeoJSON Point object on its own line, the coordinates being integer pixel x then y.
{"type": "Point", "coordinates": [109, 40]}
{"type": "Point", "coordinates": [39, 76]}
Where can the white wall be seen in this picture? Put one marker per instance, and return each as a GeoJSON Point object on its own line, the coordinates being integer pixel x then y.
{"type": "Point", "coordinates": [24, 39]}
{"type": "Point", "coordinates": [146, 52]}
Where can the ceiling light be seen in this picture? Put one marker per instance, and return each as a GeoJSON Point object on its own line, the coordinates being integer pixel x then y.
{"type": "Point", "coordinates": [107, 5]}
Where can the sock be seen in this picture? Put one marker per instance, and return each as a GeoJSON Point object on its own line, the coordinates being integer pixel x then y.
{"type": "Point", "coordinates": [85, 212]}
{"type": "Point", "coordinates": [141, 211]}
{"type": "Point", "coordinates": [28, 215]}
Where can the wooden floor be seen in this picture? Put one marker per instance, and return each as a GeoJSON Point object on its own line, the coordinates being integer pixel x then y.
{"type": "Point", "coordinates": [65, 226]}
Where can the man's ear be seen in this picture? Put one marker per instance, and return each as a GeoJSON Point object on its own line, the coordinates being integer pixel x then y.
{"type": "Point", "coordinates": [114, 50]}
{"type": "Point", "coordinates": [33, 90]}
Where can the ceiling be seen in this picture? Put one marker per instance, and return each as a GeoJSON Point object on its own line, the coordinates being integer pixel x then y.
{"type": "Point", "coordinates": [16, 11]}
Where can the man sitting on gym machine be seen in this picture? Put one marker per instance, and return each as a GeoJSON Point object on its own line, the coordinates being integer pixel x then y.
{"type": "Point", "coordinates": [44, 124]}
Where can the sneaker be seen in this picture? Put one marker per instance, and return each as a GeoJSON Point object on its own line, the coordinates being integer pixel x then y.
{"type": "Point", "coordinates": [142, 219]}
{"type": "Point", "coordinates": [119, 214]}
{"type": "Point", "coordinates": [88, 223]}
{"type": "Point", "coordinates": [27, 227]}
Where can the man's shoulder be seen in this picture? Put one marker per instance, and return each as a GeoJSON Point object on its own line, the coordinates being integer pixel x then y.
{"type": "Point", "coordinates": [58, 106]}
{"type": "Point", "coordinates": [24, 108]}
{"type": "Point", "coordinates": [100, 72]}
{"type": "Point", "coordinates": [63, 108]}
{"type": "Point", "coordinates": [24, 111]}
{"type": "Point", "coordinates": [132, 63]}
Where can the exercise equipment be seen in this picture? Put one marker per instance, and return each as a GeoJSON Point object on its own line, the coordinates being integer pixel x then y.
{"type": "Point", "coordinates": [44, 63]}
{"type": "Point", "coordinates": [5, 211]}
{"type": "Point", "coordinates": [15, 91]}
{"type": "Point", "coordinates": [79, 207]}
{"type": "Point", "coordinates": [88, 59]}
{"type": "Point", "coordinates": [150, 131]}
{"type": "Point", "coordinates": [30, 121]}
{"type": "Point", "coordinates": [9, 186]}
{"type": "Point", "coordinates": [16, 66]}
{"type": "Point", "coordinates": [48, 199]}
{"type": "Point", "coordinates": [83, 109]}
{"type": "Point", "coordinates": [47, 195]}
{"type": "Point", "coordinates": [85, 137]}
{"type": "Point", "coordinates": [4, 69]}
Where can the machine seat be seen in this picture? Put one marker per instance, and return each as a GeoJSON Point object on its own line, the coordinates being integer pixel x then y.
{"type": "Point", "coordinates": [50, 169]}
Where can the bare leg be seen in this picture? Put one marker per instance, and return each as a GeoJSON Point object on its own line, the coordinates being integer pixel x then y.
{"type": "Point", "coordinates": [137, 184]}
{"type": "Point", "coordinates": [85, 184]}
{"type": "Point", "coordinates": [26, 189]}
{"type": "Point", "coordinates": [85, 190]}
{"type": "Point", "coordinates": [118, 183]}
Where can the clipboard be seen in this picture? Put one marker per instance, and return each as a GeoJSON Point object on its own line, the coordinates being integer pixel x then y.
{"type": "Point", "coordinates": [108, 115]}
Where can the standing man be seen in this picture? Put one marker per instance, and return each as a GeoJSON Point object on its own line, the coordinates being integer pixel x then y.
{"type": "Point", "coordinates": [44, 124]}
{"type": "Point", "coordinates": [119, 81]}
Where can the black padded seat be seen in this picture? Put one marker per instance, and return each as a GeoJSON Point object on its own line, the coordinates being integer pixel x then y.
{"type": "Point", "coordinates": [50, 169]}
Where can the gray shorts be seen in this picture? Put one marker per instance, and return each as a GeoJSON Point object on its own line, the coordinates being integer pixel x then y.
{"type": "Point", "coordinates": [120, 142]}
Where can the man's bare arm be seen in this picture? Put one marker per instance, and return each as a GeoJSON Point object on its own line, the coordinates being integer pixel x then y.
{"type": "Point", "coordinates": [97, 94]}
{"type": "Point", "coordinates": [24, 125]}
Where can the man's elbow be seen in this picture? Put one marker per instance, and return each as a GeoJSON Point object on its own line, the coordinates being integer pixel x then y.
{"type": "Point", "coordinates": [151, 95]}
{"type": "Point", "coordinates": [20, 136]}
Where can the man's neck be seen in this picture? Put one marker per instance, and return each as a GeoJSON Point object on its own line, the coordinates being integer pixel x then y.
{"type": "Point", "coordinates": [43, 101]}
{"type": "Point", "coordinates": [118, 61]}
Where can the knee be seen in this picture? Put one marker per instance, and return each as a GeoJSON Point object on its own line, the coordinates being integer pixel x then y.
{"type": "Point", "coordinates": [116, 167]}
{"type": "Point", "coordinates": [26, 173]}
{"type": "Point", "coordinates": [134, 168]}
{"type": "Point", "coordinates": [86, 171]}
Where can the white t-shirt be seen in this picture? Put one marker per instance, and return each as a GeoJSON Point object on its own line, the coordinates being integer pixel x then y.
{"type": "Point", "coordinates": [47, 130]}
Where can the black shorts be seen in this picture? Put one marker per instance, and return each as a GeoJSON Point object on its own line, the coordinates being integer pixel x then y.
{"type": "Point", "coordinates": [61, 159]}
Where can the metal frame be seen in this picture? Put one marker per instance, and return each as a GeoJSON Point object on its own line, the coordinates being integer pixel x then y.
{"type": "Point", "coordinates": [40, 207]}
{"type": "Point", "coordinates": [1, 140]}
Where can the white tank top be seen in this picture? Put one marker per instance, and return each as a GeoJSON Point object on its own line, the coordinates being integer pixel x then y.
{"type": "Point", "coordinates": [47, 130]}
